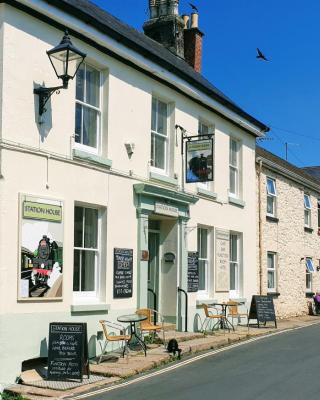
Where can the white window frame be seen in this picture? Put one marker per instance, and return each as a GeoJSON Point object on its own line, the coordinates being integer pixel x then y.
{"type": "Point", "coordinates": [90, 295]}
{"type": "Point", "coordinates": [273, 271]}
{"type": "Point", "coordinates": [309, 271]}
{"type": "Point", "coordinates": [205, 293]}
{"type": "Point", "coordinates": [307, 210]}
{"type": "Point", "coordinates": [234, 167]}
{"type": "Point", "coordinates": [163, 171]}
{"type": "Point", "coordinates": [235, 293]}
{"type": "Point", "coordinates": [272, 196]}
{"type": "Point", "coordinates": [83, 147]}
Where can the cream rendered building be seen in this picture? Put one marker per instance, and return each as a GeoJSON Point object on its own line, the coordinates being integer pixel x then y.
{"type": "Point", "coordinates": [288, 238]}
{"type": "Point", "coordinates": [102, 170]}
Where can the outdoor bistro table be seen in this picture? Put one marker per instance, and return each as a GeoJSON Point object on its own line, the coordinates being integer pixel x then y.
{"type": "Point", "coordinates": [224, 322]}
{"type": "Point", "coordinates": [132, 319]}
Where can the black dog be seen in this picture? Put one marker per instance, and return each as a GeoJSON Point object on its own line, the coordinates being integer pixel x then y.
{"type": "Point", "coordinates": [173, 348]}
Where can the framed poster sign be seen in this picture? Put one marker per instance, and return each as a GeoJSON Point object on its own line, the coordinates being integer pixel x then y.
{"type": "Point", "coordinates": [199, 160]}
{"type": "Point", "coordinates": [122, 273]}
{"type": "Point", "coordinates": [193, 271]}
{"type": "Point", "coordinates": [41, 248]}
{"type": "Point", "coordinates": [222, 260]}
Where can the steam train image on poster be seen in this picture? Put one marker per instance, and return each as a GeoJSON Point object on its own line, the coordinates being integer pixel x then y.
{"type": "Point", "coordinates": [43, 267]}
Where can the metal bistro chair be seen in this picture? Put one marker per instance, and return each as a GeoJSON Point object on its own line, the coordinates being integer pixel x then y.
{"type": "Point", "coordinates": [234, 311]}
{"type": "Point", "coordinates": [209, 316]}
{"type": "Point", "coordinates": [148, 325]}
{"type": "Point", "coordinates": [110, 337]}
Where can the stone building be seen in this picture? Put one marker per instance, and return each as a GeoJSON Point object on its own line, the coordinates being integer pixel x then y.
{"type": "Point", "coordinates": [288, 234]}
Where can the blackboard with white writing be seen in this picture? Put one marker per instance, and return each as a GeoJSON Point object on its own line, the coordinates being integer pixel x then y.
{"type": "Point", "coordinates": [68, 351]}
{"type": "Point", "coordinates": [193, 271]}
{"type": "Point", "coordinates": [122, 273]}
{"type": "Point", "coordinates": [262, 309]}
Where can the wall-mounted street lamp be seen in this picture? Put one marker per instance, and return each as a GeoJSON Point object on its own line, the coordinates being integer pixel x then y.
{"type": "Point", "coordinates": [66, 60]}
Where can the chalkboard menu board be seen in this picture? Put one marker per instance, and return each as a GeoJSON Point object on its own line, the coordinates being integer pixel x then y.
{"type": "Point", "coordinates": [122, 273]}
{"type": "Point", "coordinates": [68, 351]}
{"type": "Point", "coordinates": [262, 309]}
{"type": "Point", "coordinates": [193, 271]}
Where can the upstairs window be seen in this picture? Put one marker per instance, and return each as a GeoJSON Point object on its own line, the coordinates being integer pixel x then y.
{"type": "Point", "coordinates": [307, 211]}
{"type": "Point", "coordinates": [271, 197]}
{"type": "Point", "coordinates": [159, 135]}
{"type": "Point", "coordinates": [234, 168]}
{"type": "Point", "coordinates": [88, 108]}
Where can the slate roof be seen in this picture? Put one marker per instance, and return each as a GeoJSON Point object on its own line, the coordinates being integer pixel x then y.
{"type": "Point", "coordinates": [260, 152]}
{"type": "Point", "coordinates": [113, 27]}
{"type": "Point", "coordinates": [314, 171]}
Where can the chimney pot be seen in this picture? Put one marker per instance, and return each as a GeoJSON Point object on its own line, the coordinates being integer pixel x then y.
{"type": "Point", "coordinates": [186, 19]}
{"type": "Point", "coordinates": [194, 20]}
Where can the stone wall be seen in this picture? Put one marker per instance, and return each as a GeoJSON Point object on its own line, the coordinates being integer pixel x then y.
{"type": "Point", "coordinates": [290, 241]}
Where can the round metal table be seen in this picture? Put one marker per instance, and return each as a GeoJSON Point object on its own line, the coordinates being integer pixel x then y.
{"type": "Point", "coordinates": [132, 319]}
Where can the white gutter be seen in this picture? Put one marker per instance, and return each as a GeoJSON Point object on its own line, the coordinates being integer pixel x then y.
{"type": "Point", "coordinates": [142, 62]}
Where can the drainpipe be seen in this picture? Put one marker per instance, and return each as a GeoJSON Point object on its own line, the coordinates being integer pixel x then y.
{"type": "Point", "coordinates": [260, 223]}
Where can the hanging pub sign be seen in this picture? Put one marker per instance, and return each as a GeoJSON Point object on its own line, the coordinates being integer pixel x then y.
{"type": "Point", "coordinates": [122, 273]}
{"type": "Point", "coordinates": [193, 271]}
{"type": "Point", "coordinates": [199, 160]}
{"type": "Point", "coordinates": [262, 309]}
{"type": "Point", "coordinates": [68, 351]}
{"type": "Point", "coordinates": [41, 248]}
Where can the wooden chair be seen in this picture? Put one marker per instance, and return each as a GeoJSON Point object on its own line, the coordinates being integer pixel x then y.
{"type": "Point", "coordinates": [110, 337]}
{"type": "Point", "coordinates": [234, 311]}
{"type": "Point", "coordinates": [220, 319]}
{"type": "Point", "coordinates": [148, 325]}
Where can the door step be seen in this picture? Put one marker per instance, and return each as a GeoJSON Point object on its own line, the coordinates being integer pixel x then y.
{"type": "Point", "coordinates": [169, 326]}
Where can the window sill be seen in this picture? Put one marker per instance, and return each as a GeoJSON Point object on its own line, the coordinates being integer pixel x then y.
{"type": "Point", "coordinates": [272, 219]}
{"type": "Point", "coordinates": [309, 295]}
{"type": "Point", "coordinates": [77, 308]}
{"type": "Point", "coordinates": [236, 202]}
{"type": "Point", "coordinates": [163, 178]}
{"type": "Point", "coordinates": [307, 229]}
{"type": "Point", "coordinates": [105, 162]}
{"type": "Point", "coordinates": [273, 294]}
{"type": "Point", "coordinates": [207, 193]}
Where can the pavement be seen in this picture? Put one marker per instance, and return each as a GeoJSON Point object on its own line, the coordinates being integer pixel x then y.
{"type": "Point", "coordinates": [115, 370]}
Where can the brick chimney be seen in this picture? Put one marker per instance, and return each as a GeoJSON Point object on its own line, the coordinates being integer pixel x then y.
{"type": "Point", "coordinates": [193, 41]}
{"type": "Point", "coordinates": [165, 25]}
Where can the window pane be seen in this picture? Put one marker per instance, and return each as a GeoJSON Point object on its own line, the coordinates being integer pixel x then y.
{"type": "Point", "coordinates": [90, 125]}
{"type": "Point", "coordinates": [270, 205]}
{"type": "Point", "coordinates": [307, 217]}
{"type": "Point", "coordinates": [271, 284]}
{"type": "Point", "coordinates": [162, 118]}
{"type": "Point", "coordinates": [203, 249]}
{"type": "Point", "coordinates": [203, 129]}
{"type": "Point", "coordinates": [202, 274]}
{"type": "Point", "coordinates": [78, 123]}
{"type": "Point", "coordinates": [233, 181]}
{"type": "Point", "coordinates": [233, 248]}
{"type": "Point", "coordinates": [154, 115]}
{"type": "Point", "coordinates": [159, 152]}
{"type": "Point", "coordinates": [270, 261]}
{"type": "Point", "coordinates": [88, 271]}
{"type": "Point", "coordinates": [76, 270]}
{"type": "Point", "coordinates": [233, 153]}
{"type": "Point", "coordinates": [91, 228]}
{"type": "Point", "coordinates": [78, 226]}
{"type": "Point", "coordinates": [92, 86]}
{"type": "Point", "coordinates": [233, 276]}
{"type": "Point", "coordinates": [309, 265]}
{"type": "Point", "coordinates": [308, 281]}
{"type": "Point", "coordinates": [271, 187]}
{"type": "Point", "coordinates": [307, 202]}
{"type": "Point", "coordinates": [80, 83]}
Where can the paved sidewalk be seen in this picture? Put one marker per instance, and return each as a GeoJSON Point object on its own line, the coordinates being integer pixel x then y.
{"type": "Point", "coordinates": [113, 371]}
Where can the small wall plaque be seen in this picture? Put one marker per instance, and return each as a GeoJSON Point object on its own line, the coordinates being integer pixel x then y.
{"type": "Point", "coordinates": [169, 258]}
{"type": "Point", "coordinates": [144, 255]}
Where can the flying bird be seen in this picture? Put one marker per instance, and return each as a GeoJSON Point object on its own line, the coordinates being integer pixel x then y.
{"type": "Point", "coordinates": [261, 56]}
{"type": "Point", "coordinates": [194, 7]}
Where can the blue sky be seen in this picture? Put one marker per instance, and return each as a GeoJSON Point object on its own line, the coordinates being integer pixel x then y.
{"type": "Point", "coordinates": [283, 93]}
